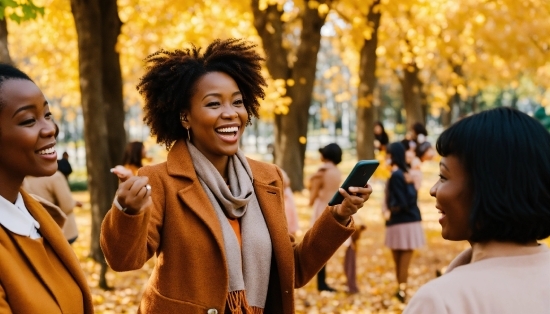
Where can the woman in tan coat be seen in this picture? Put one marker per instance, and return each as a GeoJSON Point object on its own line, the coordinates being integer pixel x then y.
{"type": "Point", "coordinates": [39, 272]}
{"type": "Point", "coordinates": [322, 186]}
{"type": "Point", "coordinates": [214, 218]}
{"type": "Point", "coordinates": [494, 191]}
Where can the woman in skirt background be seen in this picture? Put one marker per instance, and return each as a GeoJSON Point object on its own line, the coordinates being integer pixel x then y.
{"type": "Point", "coordinates": [404, 231]}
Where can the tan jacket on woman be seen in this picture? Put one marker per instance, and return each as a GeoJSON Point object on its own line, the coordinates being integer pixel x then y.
{"type": "Point", "coordinates": [182, 228]}
{"type": "Point", "coordinates": [36, 278]}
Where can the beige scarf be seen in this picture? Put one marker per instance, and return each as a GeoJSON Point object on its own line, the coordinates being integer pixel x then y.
{"type": "Point", "coordinates": [249, 269]}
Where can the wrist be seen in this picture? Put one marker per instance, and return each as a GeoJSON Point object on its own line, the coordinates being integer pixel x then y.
{"type": "Point", "coordinates": [343, 220]}
{"type": "Point", "coordinates": [126, 209]}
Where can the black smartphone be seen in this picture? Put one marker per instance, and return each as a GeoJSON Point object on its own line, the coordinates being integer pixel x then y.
{"type": "Point", "coordinates": [359, 176]}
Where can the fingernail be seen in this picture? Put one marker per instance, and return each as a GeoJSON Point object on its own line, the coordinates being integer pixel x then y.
{"type": "Point", "coordinates": [112, 170]}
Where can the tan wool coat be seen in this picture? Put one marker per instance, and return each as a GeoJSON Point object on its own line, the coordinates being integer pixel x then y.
{"type": "Point", "coordinates": [182, 229]}
{"type": "Point", "coordinates": [27, 284]}
{"type": "Point", "coordinates": [55, 189]}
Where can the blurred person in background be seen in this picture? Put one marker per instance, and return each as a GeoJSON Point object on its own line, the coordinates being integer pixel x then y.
{"type": "Point", "coordinates": [64, 166]}
{"type": "Point", "coordinates": [404, 231]}
{"type": "Point", "coordinates": [322, 186]}
{"type": "Point", "coordinates": [134, 154]}
{"type": "Point", "coordinates": [291, 212]}
{"type": "Point", "coordinates": [381, 139]}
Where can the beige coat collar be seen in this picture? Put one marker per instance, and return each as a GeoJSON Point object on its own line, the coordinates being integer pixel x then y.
{"type": "Point", "coordinates": [493, 249]}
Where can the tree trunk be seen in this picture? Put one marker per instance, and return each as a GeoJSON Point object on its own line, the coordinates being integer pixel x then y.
{"type": "Point", "coordinates": [4, 51]}
{"type": "Point", "coordinates": [412, 98]}
{"type": "Point", "coordinates": [291, 129]}
{"type": "Point", "coordinates": [88, 20]}
{"type": "Point", "coordinates": [112, 84]}
{"type": "Point", "coordinates": [367, 68]}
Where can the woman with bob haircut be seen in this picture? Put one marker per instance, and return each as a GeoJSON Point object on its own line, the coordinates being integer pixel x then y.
{"type": "Point", "coordinates": [214, 218]}
{"type": "Point", "coordinates": [494, 192]}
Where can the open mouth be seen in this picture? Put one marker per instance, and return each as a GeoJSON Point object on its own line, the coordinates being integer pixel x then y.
{"type": "Point", "coordinates": [47, 151]}
{"type": "Point", "coordinates": [229, 132]}
{"type": "Point", "coordinates": [442, 213]}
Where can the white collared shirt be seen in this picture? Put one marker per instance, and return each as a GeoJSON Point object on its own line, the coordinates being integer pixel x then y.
{"type": "Point", "coordinates": [17, 219]}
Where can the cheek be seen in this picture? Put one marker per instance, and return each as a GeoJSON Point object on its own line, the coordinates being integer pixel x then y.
{"type": "Point", "coordinates": [243, 115]}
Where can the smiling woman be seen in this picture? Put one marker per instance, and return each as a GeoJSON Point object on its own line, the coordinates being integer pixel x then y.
{"type": "Point", "coordinates": [493, 191]}
{"type": "Point", "coordinates": [214, 218]}
{"type": "Point", "coordinates": [39, 272]}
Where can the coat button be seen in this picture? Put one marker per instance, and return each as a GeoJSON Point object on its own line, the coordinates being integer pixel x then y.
{"type": "Point", "coordinates": [212, 311]}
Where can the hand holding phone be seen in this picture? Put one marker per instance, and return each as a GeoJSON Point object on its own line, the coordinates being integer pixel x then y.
{"type": "Point", "coordinates": [359, 177]}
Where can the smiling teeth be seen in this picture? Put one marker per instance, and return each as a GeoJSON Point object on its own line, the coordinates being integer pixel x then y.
{"type": "Point", "coordinates": [46, 151]}
{"type": "Point", "coordinates": [228, 130]}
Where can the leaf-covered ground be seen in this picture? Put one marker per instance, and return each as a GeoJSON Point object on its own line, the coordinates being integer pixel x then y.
{"type": "Point", "coordinates": [375, 269]}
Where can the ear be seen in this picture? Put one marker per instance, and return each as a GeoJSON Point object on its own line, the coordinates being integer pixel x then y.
{"type": "Point", "coordinates": [184, 119]}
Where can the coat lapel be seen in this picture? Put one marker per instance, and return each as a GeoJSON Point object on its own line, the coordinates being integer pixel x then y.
{"type": "Point", "coordinates": [179, 164]}
{"type": "Point", "coordinates": [271, 200]}
{"type": "Point", "coordinates": [53, 234]}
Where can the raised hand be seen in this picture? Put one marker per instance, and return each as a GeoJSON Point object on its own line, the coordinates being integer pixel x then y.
{"type": "Point", "coordinates": [134, 192]}
{"type": "Point", "coordinates": [352, 202]}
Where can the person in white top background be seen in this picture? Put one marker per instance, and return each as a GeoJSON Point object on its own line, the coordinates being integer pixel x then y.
{"type": "Point", "coordinates": [39, 272]}
{"type": "Point", "coordinates": [494, 192]}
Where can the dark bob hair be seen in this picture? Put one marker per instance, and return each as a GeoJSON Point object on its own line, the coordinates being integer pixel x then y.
{"type": "Point", "coordinates": [332, 152]}
{"type": "Point", "coordinates": [506, 155]}
{"type": "Point", "coordinates": [171, 76]}
{"type": "Point", "coordinates": [397, 152]}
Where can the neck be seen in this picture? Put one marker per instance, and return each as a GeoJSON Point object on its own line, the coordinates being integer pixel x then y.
{"type": "Point", "coordinates": [9, 190]}
{"type": "Point", "coordinates": [482, 250]}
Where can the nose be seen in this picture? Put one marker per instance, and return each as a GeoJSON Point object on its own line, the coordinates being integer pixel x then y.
{"type": "Point", "coordinates": [433, 190]}
{"type": "Point", "coordinates": [50, 129]}
{"type": "Point", "coordinates": [229, 112]}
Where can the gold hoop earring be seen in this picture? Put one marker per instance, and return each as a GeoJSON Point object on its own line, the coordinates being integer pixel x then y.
{"type": "Point", "coordinates": [188, 134]}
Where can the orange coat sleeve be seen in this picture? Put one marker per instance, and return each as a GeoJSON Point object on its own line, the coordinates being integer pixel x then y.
{"type": "Point", "coordinates": [129, 241]}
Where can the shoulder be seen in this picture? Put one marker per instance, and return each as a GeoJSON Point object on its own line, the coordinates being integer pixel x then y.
{"type": "Point", "coordinates": [397, 175]}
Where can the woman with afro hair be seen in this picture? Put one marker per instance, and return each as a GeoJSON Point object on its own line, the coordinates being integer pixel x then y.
{"type": "Point", "coordinates": [214, 218]}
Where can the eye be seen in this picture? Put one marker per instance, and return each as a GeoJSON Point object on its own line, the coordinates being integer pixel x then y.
{"type": "Point", "coordinates": [48, 115]}
{"type": "Point", "coordinates": [442, 178]}
{"type": "Point", "coordinates": [238, 102]}
{"type": "Point", "coordinates": [213, 104]}
{"type": "Point", "coordinates": [28, 121]}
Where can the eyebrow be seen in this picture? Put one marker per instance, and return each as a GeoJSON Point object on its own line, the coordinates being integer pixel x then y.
{"type": "Point", "coordinates": [219, 95]}
{"type": "Point", "coordinates": [26, 108]}
{"type": "Point", "coordinates": [444, 165]}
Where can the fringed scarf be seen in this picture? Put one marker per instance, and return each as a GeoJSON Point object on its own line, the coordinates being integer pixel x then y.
{"type": "Point", "coordinates": [248, 266]}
